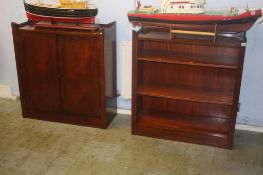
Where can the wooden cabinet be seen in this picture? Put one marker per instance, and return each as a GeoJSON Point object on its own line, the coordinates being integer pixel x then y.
{"type": "Point", "coordinates": [186, 88]}
{"type": "Point", "coordinates": [62, 73]}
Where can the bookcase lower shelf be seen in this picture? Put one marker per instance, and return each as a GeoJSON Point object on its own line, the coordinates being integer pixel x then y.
{"type": "Point", "coordinates": [185, 128]}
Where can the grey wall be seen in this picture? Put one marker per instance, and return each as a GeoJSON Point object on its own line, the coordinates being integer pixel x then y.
{"type": "Point", "coordinates": [252, 84]}
{"type": "Point", "coordinates": [11, 11]}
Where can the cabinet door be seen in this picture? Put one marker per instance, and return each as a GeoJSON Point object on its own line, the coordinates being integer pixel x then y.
{"type": "Point", "coordinates": [39, 73]}
{"type": "Point", "coordinates": [80, 61]}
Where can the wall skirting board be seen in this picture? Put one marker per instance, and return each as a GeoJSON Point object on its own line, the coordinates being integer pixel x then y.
{"type": "Point", "coordinates": [119, 111]}
{"type": "Point", "coordinates": [6, 92]}
{"type": "Point", "coordinates": [249, 128]}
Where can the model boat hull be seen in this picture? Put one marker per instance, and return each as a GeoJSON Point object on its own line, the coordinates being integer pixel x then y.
{"type": "Point", "coordinates": [35, 17]}
{"type": "Point", "coordinates": [203, 22]}
{"type": "Point", "coordinates": [37, 13]}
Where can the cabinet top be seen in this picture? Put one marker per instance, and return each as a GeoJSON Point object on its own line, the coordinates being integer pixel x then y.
{"type": "Point", "coordinates": [64, 27]}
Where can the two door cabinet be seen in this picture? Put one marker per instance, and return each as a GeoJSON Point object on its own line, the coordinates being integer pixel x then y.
{"type": "Point", "coordinates": [61, 73]}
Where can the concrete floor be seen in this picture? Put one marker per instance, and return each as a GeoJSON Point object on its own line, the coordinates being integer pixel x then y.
{"type": "Point", "coordinates": [33, 147]}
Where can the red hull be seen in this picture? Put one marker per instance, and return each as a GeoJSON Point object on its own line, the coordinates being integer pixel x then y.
{"type": "Point", "coordinates": [35, 17]}
{"type": "Point", "coordinates": [199, 22]}
{"type": "Point", "coordinates": [198, 18]}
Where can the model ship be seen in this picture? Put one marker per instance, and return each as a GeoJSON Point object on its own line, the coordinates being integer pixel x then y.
{"type": "Point", "coordinates": [79, 11]}
{"type": "Point", "coordinates": [191, 15]}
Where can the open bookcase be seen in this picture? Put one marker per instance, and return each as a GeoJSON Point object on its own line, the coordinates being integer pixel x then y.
{"type": "Point", "coordinates": [186, 88]}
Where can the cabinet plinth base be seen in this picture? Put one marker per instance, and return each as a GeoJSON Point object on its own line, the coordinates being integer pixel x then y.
{"type": "Point", "coordinates": [183, 136]}
{"type": "Point", "coordinates": [74, 120]}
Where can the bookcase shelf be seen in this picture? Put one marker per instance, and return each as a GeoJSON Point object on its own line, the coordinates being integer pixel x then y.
{"type": "Point", "coordinates": [183, 60]}
{"type": "Point", "coordinates": [214, 96]}
{"type": "Point", "coordinates": [174, 121]}
{"type": "Point", "coordinates": [186, 88]}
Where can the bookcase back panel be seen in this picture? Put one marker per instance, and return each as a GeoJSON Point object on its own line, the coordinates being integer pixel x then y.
{"type": "Point", "coordinates": [184, 75]}
{"type": "Point", "coordinates": [186, 107]}
{"type": "Point", "coordinates": [203, 53]}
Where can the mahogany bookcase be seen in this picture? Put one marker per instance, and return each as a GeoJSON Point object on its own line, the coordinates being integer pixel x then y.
{"type": "Point", "coordinates": [186, 87]}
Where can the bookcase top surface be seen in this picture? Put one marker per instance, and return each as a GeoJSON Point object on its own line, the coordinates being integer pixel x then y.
{"type": "Point", "coordinates": [166, 36]}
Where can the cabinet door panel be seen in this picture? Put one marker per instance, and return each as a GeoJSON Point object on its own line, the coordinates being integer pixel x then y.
{"type": "Point", "coordinates": [80, 75]}
{"type": "Point", "coordinates": [41, 85]}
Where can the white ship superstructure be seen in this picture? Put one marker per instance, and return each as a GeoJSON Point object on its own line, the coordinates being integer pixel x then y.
{"type": "Point", "coordinates": [74, 4]}
{"type": "Point", "coordinates": [183, 6]}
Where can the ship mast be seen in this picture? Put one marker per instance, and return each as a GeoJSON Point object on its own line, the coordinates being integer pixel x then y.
{"type": "Point", "coordinates": [136, 2]}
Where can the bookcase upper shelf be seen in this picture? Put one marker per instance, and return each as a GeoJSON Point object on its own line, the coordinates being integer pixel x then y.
{"type": "Point", "coordinates": [183, 60]}
{"type": "Point", "coordinates": [196, 94]}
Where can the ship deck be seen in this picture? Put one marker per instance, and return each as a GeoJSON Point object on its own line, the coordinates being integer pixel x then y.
{"type": "Point", "coordinates": [207, 12]}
